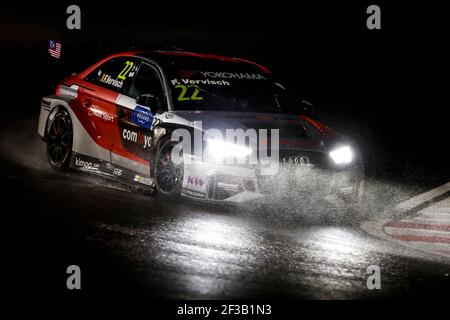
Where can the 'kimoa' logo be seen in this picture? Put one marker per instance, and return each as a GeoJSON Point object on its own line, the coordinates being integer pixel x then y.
{"type": "Point", "coordinates": [196, 181]}
{"type": "Point", "coordinates": [85, 164]}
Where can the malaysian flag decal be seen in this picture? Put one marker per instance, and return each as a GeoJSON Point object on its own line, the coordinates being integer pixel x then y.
{"type": "Point", "coordinates": [55, 49]}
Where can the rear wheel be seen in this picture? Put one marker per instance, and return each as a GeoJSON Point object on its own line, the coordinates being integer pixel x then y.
{"type": "Point", "coordinates": [168, 174]}
{"type": "Point", "coordinates": [59, 140]}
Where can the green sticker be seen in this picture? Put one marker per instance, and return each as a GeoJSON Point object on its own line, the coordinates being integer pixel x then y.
{"type": "Point", "coordinates": [128, 65]}
{"type": "Point", "coordinates": [184, 89]}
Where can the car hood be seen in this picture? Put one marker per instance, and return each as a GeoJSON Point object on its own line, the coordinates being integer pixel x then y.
{"type": "Point", "coordinates": [291, 128]}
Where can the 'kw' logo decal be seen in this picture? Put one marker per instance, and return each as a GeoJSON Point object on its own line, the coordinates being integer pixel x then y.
{"type": "Point", "coordinates": [196, 181]}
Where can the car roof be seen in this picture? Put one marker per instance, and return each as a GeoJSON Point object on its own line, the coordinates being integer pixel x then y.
{"type": "Point", "coordinates": [167, 55]}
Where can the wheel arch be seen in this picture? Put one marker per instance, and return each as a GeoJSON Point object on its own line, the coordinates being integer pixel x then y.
{"type": "Point", "coordinates": [58, 107]}
{"type": "Point", "coordinates": [167, 129]}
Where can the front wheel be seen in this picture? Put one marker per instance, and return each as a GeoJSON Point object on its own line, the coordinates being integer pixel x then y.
{"type": "Point", "coordinates": [168, 173]}
{"type": "Point", "coordinates": [59, 140]}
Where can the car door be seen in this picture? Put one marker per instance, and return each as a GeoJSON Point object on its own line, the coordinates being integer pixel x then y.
{"type": "Point", "coordinates": [98, 95]}
{"type": "Point", "coordinates": [135, 121]}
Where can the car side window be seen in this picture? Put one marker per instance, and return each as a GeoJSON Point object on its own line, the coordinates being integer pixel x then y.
{"type": "Point", "coordinates": [116, 74]}
{"type": "Point", "coordinates": [147, 81]}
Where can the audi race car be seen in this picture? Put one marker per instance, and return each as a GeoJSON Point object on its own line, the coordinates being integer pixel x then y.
{"type": "Point", "coordinates": [196, 125]}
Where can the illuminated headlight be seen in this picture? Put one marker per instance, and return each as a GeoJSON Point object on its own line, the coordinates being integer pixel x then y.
{"type": "Point", "coordinates": [219, 149]}
{"type": "Point", "coordinates": [342, 155]}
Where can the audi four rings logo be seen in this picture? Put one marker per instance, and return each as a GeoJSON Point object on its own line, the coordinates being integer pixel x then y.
{"type": "Point", "coordinates": [302, 160]}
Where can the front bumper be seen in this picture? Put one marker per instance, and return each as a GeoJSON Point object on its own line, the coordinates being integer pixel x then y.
{"type": "Point", "coordinates": [225, 183]}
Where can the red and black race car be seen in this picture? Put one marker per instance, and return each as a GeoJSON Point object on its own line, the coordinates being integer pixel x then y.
{"type": "Point", "coordinates": [236, 133]}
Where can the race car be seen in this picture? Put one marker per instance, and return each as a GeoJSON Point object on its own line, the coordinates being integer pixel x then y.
{"type": "Point", "coordinates": [163, 120]}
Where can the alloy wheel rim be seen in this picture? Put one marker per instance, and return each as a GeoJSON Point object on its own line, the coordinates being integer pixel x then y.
{"type": "Point", "coordinates": [58, 140]}
{"type": "Point", "coordinates": [168, 174]}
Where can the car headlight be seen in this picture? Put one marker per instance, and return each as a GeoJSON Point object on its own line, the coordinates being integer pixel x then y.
{"type": "Point", "coordinates": [219, 149]}
{"type": "Point", "coordinates": [342, 155]}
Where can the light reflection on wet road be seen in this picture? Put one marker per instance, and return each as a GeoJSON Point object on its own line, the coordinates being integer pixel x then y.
{"type": "Point", "coordinates": [156, 248]}
{"type": "Point", "coordinates": [204, 255]}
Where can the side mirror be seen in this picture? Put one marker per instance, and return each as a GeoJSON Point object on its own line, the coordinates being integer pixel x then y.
{"type": "Point", "coordinates": [148, 100]}
{"type": "Point", "coordinates": [307, 107]}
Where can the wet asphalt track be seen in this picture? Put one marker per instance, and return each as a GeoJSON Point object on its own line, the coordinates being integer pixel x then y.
{"type": "Point", "coordinates": [133, 245]}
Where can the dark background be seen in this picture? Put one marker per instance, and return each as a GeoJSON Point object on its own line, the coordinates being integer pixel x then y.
{"type": "Point", "coordinates": [385, 88]}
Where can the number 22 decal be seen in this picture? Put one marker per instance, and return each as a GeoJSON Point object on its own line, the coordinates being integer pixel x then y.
{"type": "Point", "coordinates": [182, 96]}
{"type": "Point", "coordinates": [128, 65]}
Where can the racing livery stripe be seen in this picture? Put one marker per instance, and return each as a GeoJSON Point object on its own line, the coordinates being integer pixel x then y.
{"type": "Point", "coordinates": [126, 101]}
{"type": "Point", "coordinates": [134, 128]}
{"type": "Point", "coordinates": [412, 225]}
{"type": "Point", "coordinates": [70, 91]}
{"type": "Point", "coordinates": [84, 73]}
{"type": "Point", "coordinates": [434, 239]}
{"type": "Point", "coordinates": [89, 104]}
{"type": "Point", "coordinates": [84, 143]}
{"type": "Point", "coordinates": [323, 129]}
{"type": "Point", "coordinates": [102, 99]}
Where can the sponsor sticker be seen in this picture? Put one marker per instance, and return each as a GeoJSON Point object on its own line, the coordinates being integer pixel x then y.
{"type": "Point", "coordinates": [232, 75]}
{"type": "Point", "coordinates": [107, 79]}
{"type": "Point", "coordinates": [117, 172]}
{"type": "Point", "coordinates": [196, 183]}
{"type": "Point", "coordinates": [185, 81]}
{"type": "Point", "coordinates": [137, 137]}
{"type": "Point", "coordinates": [86, 164]}
{"type": "Point", "coordinates": [130, 135]}
{"type": "Point", "coordinates": [196, 194]}
{"type": "Point", "coordinates": [102, 115]}
{"type": "Point", "coordinates": [142, 117]}
{"type": "Point", "coordinates": [143, 180]}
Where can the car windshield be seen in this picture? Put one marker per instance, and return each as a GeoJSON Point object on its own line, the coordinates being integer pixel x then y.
{"type": "Point", "coordinates": [214, 85]}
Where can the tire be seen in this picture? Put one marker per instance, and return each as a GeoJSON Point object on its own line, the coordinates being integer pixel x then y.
{"type": "Point", "coordinates": [358, 197]}
{"type": "Point", "coordinates": [168, 175]}
{"type": "Point", "coordinates": [356, 202]}
{"type": "Point", "coordinates": [59, 138]}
